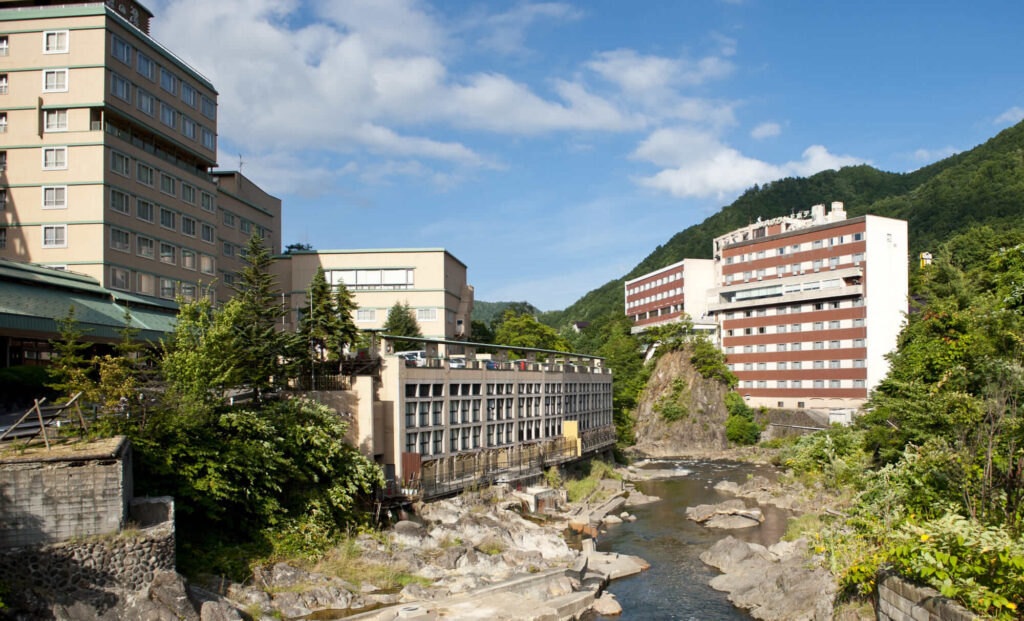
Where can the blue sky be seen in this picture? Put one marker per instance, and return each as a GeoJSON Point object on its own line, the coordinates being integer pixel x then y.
{"type": "Point", "coordinates": [552, 145]}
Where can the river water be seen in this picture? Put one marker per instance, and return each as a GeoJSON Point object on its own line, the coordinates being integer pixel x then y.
{"type": "Point", "coordinates": [676, 585]}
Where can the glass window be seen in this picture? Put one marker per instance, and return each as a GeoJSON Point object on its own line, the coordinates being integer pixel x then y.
{"type": "Point", "coordinates": [119, 240]}
{"type": "Point", "coordinates": [55, 42]}
{"type": "Point", "coordinates": [55, 158]}
{"type": "Point", "coordinates": [144, 247]}
{"type": "Point", "coordinates": [55, 236]}
{"type": "Point", "coordinates": [55, 197]}
{"type": "Point", "coordinates": [55, 120]}
{"type": "Point", "coordinates": [206, 201]}
{"type": "Point", "coordinates": [144, 174]}
{"type": "Point", "coordinates": [188, 226]}
{"type": "Point", "coordinates": [143, 210]}
{"type": "Point", "coordinates": [119, 202]}
{"type": "Point", "coordinates": [188, 127]}
{"type": "Point", "coordinates": [145, 65]}
{"type": "Point", "coordinates": [206, 233]}
{"type": "Point", "coordinates": [145, 102]}
{"type": "Point", "coordinates": [168, 254]}
{"type": "Point", "coordinates": [167, 184]}
{"type": "Point", "coordinates": [209, 108]}
{"type": "Point", "coordinates": [145, 283]}
{"type": "Point", "coordinates": [229, 219]}
{"type": "Point", "coordinates": [209, 139]}
{"type": "Point", "coordinates": [120, 88]}
{"type": "Point", "coordinates": [168, 81]}
{"type": "Point", "coordinates": [168, 115]}
{"type": "Point", "coordinates": [120, 163]}
{"type": "Point", "coordinates": [119, 279]}
{"type": "Point", "coordinates": [167, 288]}
{"type": "Point", "coordinates": [189, 94]}
{"type": "Point", "coordinates": [167, 219]}
{"type": "Point", "coordinates": [188, 194]}
{"type": "Point", "coordinates": [188, 259]}
{"type": "Point", "coordinates": [228, 250]}
{"type": "Point", "coordinates": [120, 49]}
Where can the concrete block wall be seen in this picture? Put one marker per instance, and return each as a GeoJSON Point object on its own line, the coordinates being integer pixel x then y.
{"type": "Point", "coordinates": [902, 600]}
{"type": "Point", "coordinates": [47, 500]}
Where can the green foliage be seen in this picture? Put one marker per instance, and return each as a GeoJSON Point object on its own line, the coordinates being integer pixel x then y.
{"type": "Point", "coordinates": [584, 477]}
{"type": "Point", "coordinates": [21, 383]}
{"type": "Point", "coordinates": [675, 405]}
{"type": "Point", "coordinates": [552, 477]}
{"type": "Point", "coordinates": [402, 322]}
{"type": "Point", "coordinates": [491, 313]}
{"type": "Point", "coordinates": [69, 369]}
{"type": "Point", "coordinates": [710, 361]}
{"type": "Point", "coordinates": [523, 330]}
{"type": "Point", "coordinates": [326, 327]}
{"type": "Point", "coordinates": [736, 406]}
{"type": "Point", "coordinates": [741, 430]}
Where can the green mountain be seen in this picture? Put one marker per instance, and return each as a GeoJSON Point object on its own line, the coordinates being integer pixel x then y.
{"type": "Point", "coordinates": [488, 312]}
{"type": "Point", "coordinates": [982, 186]}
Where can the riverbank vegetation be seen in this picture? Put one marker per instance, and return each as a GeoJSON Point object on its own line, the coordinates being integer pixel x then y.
{"type": "Point", "coordinates": [934, 471]}
{"type": "Point", "coordinates": [272, 476]}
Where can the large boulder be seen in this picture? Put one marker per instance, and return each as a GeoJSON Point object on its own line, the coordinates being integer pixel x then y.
{"type": "Point", "coordinates": [726, 515]}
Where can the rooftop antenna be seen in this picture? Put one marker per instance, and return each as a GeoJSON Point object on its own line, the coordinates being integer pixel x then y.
{"type": "Point", "coordinates": [240, 162]}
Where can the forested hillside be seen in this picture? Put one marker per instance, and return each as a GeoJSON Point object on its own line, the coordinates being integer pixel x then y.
{"type": "Point", "coordinates": [490, 312]}
{"type": "Point", "coordinates": [982, 186]}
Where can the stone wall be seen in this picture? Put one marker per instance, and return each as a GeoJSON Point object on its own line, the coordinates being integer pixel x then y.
{"type": "Point", "coordinates": [71, 491]}
{"type": "Point", "coordinates": [127, 560]}
{"type": "Point", "coordinates": [901, 600]}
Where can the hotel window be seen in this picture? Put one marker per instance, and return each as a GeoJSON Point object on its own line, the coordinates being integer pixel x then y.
{"type": "Point", "coordinates": [206, 264]}
{"type": "Point", "coordinates": [833, 325]}
{"type": "Point", "coordinates": [188, 127]}
{"type": "Point", "coordinates": [144, 247]}
{"type": "Point", "coordinates": [819, 383]}
{"type": "Point", "coordinates": [366, 314]}
{"type": "Point", "coordinates": [144, 174]}
{"type": "Point", "coordinates": [209, 139]}
{"type": "Point", "coordinates": [833, 364]}
{"type": "Point", "coordinates": [817, 244]}
{"type": "Point", "coordinates": [3, 83]}
{"type": "Point", "coordinates": [145, 65]}
{"type": "Point", "coordinates": [796, 327]}
{"type": "Point", "coordinates": [228, 250]}
{"type": "Point", "coordinates": [858, 383]}
{"type": "Point", "coordinates": [245, 226]}
{"type": "Point", "coordinates": [795, 268]}
{"type": "Point", "coordinates": [167, 288]}
{"type": "Point", "coordinates": [4, 46]}
{"type": "Point", "coordinates": [762, 366]}
{"type": "Point", "coordinates": [859, 364]}
{"type": "Point", "coordinates": [55, 81]}
{"type": "Point", "coordinates": [168, 116]}
{"type": "Point", "coordinates": [145, 102]}
{"type": "Point", "coordinates": [817, 264]}
{"type": "Point", "coordinates": [748, 349]}
{"type": "Point", "coordinates": [55, 120]}
{"type": "Point", "coordinates": [188, 259]}
{"type": "Point", "coordinates": [119, 202]}
{"type": "Point", "coordinates": [209, 108]}
{"type": "Point", "coordinates": [780, 384]}
{"type": "Point", "coordinates": [119, 240]}
{"type": "Point", "coordinates": [858, 257]}
{"type": "Point", "coordinates": [206, 201]}
{"type": "Point", "coordinates": [168, 81]}
{"type": "Point", "coordinates": [188, 194]}
{"type": "Point", "coordinates": [834, 384]}
{"type": "Point", "coordinates": [120, 88]}
{"type": "Point", "coordinates": [426, 314]}
{"type": "Point", "coordinates": [143, 210]}
{"type": "Point", "coordinates": [781, 366]}
{"type": "Point", "coordinates": [780, 329]}
{"type": "Point", "coordinates": [819, 364]}
{"type": "Point", "coordinates": [55, 197]}
{"type": "Point", "coordinates": [145, 283]}
{"type": "Point", "coordinates": [798, 365]}
{"type": "Point", "coordinates": [834, 344]}
{"type": "Point", "coordinates": [858, 237]}
{"type": "Point", "coordinates": [55, 158]}
{"type": "Point", "coordinates": [858, 342]}
{"type": "Point", "coordinates": [167, 185]}
{"type": "Point", "coordinates": [119, 279]}
{"type": "Point", "coordinates": [120, 49]}
{"type": "Point", "coordinates": [229, 219]}
{"type": "Point", "coordinates": [167, 218]}
{"type": "Point", "coordinates": [3, 238]}
{"type": "Point", "coordinates": [748, 366]}
{"type": "Point", "coordinates": [188, 291]}
{"type": "Point", "coordinates": [188, 226]}
{"type": "Point", "coordinates": [858, 323]}
{"type": "Point", "coordinates": [796, 347]}
{"type": "Point", "coordinates": [797, 384]}
{"type": "Point", "coordinates": [3, 199]}
{"type": "Point", "coordinates": [206, 233]}
{"type": "Point", "coordinates": [229, 279]}
{"type": "Point", "coordinates": [55, 236]}
{"type": "Point", "coordinates": [120, 163]}
{"type": "Point", "coordinates": [168, 254]}
{"type": "Point", "coordinates": [819, 325]}
{"type": "Point", "coordinates": [762, 383]}
{"type": "Point", "coordinates": [189, 94]}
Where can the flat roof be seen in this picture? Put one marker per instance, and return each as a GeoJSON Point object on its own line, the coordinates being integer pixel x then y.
{"type": "Point", "coordinates": [375, 251]}
{"type": "Point", "coordinates": [794, 232]}
{"type": "Point", "coordinates": [660, 270]}
{"type": "Point", "coordinates": [420, 339]}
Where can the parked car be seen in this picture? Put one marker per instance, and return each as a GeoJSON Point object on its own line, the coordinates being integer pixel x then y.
{"type": "Point", "coordinates": [493, 365]}
{"type": "Point", "coordinates": [456, 363]}
{"type": "Point", "coordinates": [413, 358]}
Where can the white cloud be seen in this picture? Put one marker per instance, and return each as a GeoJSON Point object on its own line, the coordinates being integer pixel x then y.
{"type": "Point", "coordinates": [697, 164]}
{"type": "Point", "coordinates": [931, 155]}
{"type": "Point", "coordinates": [1012, 116]}
{"type": "Point", "coordinates": [506, 32]}
{"type": "Point", "coordinates": [766, 130]}
{"type": "Point", "coordinates": [636, 73]}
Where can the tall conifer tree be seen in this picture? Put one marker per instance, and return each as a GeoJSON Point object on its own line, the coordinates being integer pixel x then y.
{"type": "Point", "coordinates": [401, 322]}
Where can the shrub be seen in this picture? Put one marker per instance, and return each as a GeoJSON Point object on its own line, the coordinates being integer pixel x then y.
{"type": "Point", "coordinates": [742, 430]}
{"type": "Point", "coordinates": [674, 405]}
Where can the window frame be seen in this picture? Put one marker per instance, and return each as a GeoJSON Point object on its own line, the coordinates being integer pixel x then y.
{"type": "Point", "coordinates": [42, 196]}
{"type": "Point", "coordinates": [366, 315]}
{"type": "Point", "coordinates": [152, 210]}
{"type": "Point", "coordinates": [127, 172]}
{"type": "Point", "coordinates": [139, 239]}
{"type": "Point", "coordinates": [174, 219]}
{"type": "Point", "coordinates": [127, 202]}
{"type": "Point", "coordinates": [174, 81]}
{"type": "Point", "coordinates": [151, 74]}
{"type": "Point", "coordinates": [115, 80]}
{"type": "Point", "coordinates": [57, 70]}
{"type": "Point", "coordinates": [127, 278]}
{"type": "Point", "coordinates": [114, 41]}
{"type": "Point", "coordinates": [62, 227]}
{"type": "Point", "coordinates": [46, 120]}
{"type": "Point", "coordinates": [173, 254]}
{"type": "Point", "coordinates": [55, 149]}
{"type": "Point", "coordinates": [67, 41]}
{"type": "Point", "coordinates": [127, 249]}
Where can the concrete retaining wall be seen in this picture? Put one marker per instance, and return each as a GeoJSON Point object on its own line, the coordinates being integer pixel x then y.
{"type": "Point", "coordinates": [901, 600]}
{"type": "Point", "coordinates": [52, 496]}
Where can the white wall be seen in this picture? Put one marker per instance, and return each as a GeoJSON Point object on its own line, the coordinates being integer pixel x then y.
{"type": "Point", "coordinates": [886, 291]}
{"type": "Point", "coordinates": [698, 278]}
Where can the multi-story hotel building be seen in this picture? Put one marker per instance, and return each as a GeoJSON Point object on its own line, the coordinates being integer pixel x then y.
{"type": "Point", "coordinates": [243, 210]}
{"type": "Point", "coordinates": [801, 322]}
{"type": "Point", "coordinates": [106, 143]}
{"type": "Point", "coordinates": [431, 281]}
{"type": "Point", "coordinates": [663, 295]}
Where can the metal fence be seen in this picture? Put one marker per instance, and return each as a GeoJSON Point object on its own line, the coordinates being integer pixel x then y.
{"type": "Point", "coordinates": [321, 382]}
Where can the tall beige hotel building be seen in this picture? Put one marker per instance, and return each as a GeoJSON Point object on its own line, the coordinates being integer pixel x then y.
{"type": "Point", "coordinates": [107, 145]}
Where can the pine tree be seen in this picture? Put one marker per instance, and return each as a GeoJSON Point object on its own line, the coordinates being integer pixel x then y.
{"type": "Point", "coordinates": [262, 352]}
{"type": "Point", "coordinates": [401, 322]}
{"type": "Point", "coordinates": [346, 307]}
{"type": "Point", "coordinates": [320, 327]}
{"type": "Point", "coordinates": [69, 371]}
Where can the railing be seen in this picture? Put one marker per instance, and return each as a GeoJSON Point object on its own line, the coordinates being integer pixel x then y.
{"type": "Point", "coordinates": [597, 439]}
{"type": "Point", "coordinates": [321, 382]}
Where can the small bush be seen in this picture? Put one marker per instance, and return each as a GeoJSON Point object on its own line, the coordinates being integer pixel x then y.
{"type": "Point", "coordinates": [741, 430]}
{"type": "Point", "coordinates": [674, 405]}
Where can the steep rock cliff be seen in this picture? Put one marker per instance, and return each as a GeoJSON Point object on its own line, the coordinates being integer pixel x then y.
{"type": "Point", "coordinates": [680, 412]}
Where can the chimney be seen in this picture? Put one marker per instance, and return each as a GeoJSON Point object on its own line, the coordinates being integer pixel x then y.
{"type": "Point", "coordinates": [837, 212]}
{"type": "Point", "coordinates": [818, 213]}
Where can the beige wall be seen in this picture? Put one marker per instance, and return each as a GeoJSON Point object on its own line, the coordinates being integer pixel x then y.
{"type": "Point", "coordinates": [439, 283]}
{"type": "Point", "coordinates": [241, 205]}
